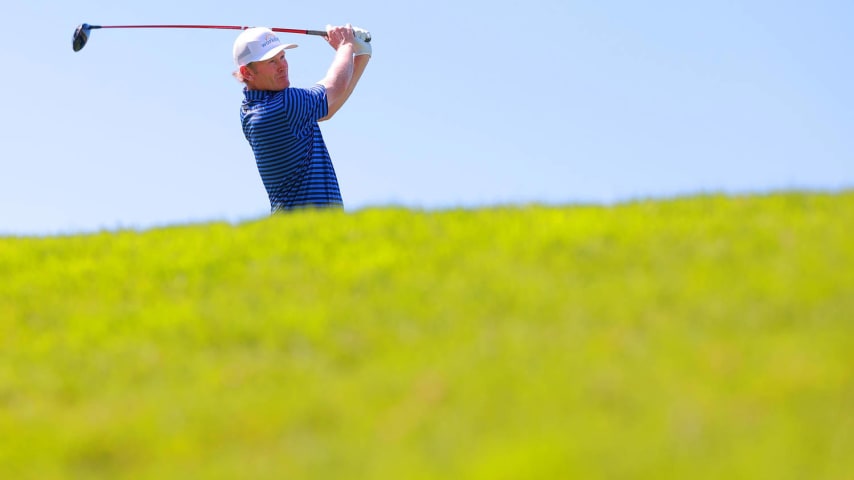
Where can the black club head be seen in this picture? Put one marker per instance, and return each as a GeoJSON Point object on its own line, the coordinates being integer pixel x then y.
{"type": "Point", "coordinates": [81, 36]}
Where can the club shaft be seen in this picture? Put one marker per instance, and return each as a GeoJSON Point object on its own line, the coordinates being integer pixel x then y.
{"type": "Point", "coordinates": [219, 27]}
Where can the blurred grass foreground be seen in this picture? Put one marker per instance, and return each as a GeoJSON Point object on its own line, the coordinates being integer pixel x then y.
{"type": "Point", "coordinates": [700, 337]}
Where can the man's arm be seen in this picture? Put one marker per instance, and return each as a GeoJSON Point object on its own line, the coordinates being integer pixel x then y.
{"type": "Point", "coordinates": [359, 64]}
{"type": "Point", "coordinates": [345, 71]}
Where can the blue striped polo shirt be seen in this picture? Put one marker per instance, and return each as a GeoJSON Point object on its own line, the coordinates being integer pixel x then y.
{"type": "Point", "coordinates": [292, 158]}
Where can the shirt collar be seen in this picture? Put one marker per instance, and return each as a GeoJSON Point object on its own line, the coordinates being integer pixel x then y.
{"type": "Point", "coordinates": [252, 95]}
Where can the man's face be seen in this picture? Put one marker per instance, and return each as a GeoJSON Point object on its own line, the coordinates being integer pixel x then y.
{"type": "Point", "coordinates": [269, 74]}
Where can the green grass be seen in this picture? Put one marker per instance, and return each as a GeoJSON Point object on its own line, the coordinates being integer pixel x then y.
{"type": "Point", "coordinates": [703, 337]}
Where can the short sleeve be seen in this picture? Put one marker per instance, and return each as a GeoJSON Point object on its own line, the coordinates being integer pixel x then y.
{"type": "Point", "coordinates": [305, 106]}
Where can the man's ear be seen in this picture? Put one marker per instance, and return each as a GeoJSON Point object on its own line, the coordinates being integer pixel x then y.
{"type": "Point", "coordinates": [246, 72]}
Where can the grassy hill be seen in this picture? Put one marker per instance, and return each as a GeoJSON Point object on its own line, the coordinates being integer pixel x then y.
{"type": "Point", "coordinates": [704, 337]}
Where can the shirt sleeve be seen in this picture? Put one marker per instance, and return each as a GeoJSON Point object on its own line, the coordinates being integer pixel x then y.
{"type": "Point", "coordinates": [319, 91]}
{"type": "Point", "coordinates": [305, 106]}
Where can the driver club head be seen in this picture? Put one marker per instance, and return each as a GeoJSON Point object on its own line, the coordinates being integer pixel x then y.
{"type": "Point", "coordinates": [81, 36]}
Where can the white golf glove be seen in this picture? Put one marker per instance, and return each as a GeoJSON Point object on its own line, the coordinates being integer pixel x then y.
{"type": "Point", "coordinates": [361, 46]}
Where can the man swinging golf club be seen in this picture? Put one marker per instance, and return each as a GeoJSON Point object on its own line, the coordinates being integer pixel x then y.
{"type": "Point", "coordinates": [281, 122]}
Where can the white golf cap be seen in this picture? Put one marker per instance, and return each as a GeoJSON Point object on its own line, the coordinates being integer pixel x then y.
{"type": "Point", "coordinates": [256, 44]}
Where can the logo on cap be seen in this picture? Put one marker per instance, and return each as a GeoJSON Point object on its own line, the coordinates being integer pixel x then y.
{"type": "Point", "coordinates": [269, 39]}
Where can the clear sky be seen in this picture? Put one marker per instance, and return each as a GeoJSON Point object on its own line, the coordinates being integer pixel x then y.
{"type": "Point", "coordinates": [463, 104]}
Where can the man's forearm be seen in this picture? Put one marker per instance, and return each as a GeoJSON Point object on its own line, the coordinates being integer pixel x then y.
{"type": "Point", "coordinates": [359, 64]}
{"type": "Point", "coordinates": [338, 78]}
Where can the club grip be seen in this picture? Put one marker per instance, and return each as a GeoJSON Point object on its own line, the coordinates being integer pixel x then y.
{"type": "Point", "coordinates": [322, 33]}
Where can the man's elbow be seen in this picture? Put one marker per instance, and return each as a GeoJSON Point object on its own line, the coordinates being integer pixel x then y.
{"type": "Point", "coordinates": [332, 110]}
{"type": "Point", "coordinates": [334, 100]}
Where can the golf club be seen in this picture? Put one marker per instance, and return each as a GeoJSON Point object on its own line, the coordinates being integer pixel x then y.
{"type": "Point", "coordinates": [82, 32]}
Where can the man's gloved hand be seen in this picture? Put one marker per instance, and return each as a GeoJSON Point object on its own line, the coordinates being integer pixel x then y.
{"type": "Point", "coordinates": [361, 46]}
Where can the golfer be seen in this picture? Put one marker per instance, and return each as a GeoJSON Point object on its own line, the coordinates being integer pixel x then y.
{"type": "Point", "coordinates": [281, 122]}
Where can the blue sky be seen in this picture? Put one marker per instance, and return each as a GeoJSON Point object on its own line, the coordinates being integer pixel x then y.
{"type": "Point", "coordinates": [464, 104]}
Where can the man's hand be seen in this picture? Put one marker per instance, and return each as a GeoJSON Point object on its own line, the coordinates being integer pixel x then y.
{"type": "Point", "coordinates": [340, 36]}
{"type": "Point", "coordinates": [360, 42]}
